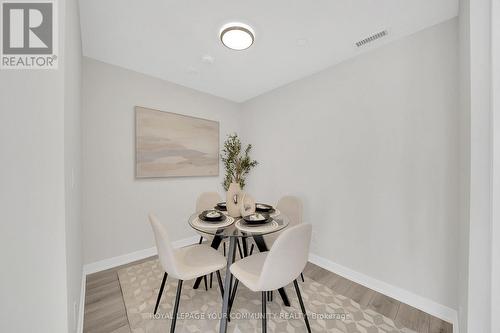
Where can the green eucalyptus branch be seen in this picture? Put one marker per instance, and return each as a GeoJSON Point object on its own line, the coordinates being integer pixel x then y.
{"type": "Point", "coordinates": [236, 162]}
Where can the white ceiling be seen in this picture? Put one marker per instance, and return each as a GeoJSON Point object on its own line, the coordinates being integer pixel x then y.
{"type": "Point", "coordinates": [294, 38]}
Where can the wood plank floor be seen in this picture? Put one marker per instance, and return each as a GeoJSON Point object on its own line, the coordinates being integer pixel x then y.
{"type": "Point", "coordinates": [105, 308]}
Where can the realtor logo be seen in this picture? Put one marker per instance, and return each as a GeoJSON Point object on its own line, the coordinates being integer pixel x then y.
{"type": "Point", "coordinates": [29, 35]}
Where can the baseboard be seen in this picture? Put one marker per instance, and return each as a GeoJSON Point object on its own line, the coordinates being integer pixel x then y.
{"type": "Point", "coordinates": [118, 261]}
{"type": "Point", "coordinates": [134, 256]}
{"type": "Point", "coordinates": [437, 310]}
{"type": "Point", "coordinates": [186, 241]}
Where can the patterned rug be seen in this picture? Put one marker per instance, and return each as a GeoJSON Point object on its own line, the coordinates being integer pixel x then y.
{"type": "Point", "coordinates": [199, 310]}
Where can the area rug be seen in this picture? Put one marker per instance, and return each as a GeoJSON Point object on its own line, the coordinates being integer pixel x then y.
{"type": "Point", "coordinates": [199, 310]}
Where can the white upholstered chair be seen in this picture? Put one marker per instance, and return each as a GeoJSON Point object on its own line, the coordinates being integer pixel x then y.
{"type": "Point", "coordinates": [183, 264]}
{"type": "Point", "coordinates": [207, 201]}
{"type": "Point", "coordinates": [276, 268]}
{"type": "Point", "coordinates": [291, 207]}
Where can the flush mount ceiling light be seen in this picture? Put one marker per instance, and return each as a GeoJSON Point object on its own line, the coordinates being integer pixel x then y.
{"type": "Point", "coordinates": [237, 36]}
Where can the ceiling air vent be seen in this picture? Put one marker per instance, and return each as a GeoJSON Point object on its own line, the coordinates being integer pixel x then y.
{"type": "Point", "coordinates": [372, 38]}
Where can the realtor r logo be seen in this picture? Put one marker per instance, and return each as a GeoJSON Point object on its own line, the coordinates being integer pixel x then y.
{"type": "Point", "coordinates": [28, 35]}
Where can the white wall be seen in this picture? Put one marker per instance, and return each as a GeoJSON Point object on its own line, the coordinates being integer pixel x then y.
{"type": "Point", "coordinates": [372, 148]}
{"type": "Point", "coordinates": [72, 147]}
{"type": "Point", "coordinates": [32, 205]}
{"type": "Point", "coordinates": [40, 229]}
{"type": "Point", "coordinates": [115, 204]}
{"type": "Point", "coordinates": [479, 90]}
{"type": "Point", "coordinates": [495, 241]}
{"type": "Point", "coordinates": [464, 99]}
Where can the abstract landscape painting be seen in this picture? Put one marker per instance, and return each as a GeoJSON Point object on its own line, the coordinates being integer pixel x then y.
{"type": "Point", "coordinates": [174, 145]}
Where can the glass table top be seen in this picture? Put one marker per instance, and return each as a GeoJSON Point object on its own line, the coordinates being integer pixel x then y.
{"type": "Point", "coordinates": [237, 227]}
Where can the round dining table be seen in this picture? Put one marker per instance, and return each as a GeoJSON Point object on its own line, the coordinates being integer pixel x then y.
{"type": "Point", "coordinates": [236, 228]}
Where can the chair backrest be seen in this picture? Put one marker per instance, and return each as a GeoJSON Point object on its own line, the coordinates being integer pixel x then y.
{"type": "Point", "coordinates": [291, 207]}
{"type": "Point", "coordinates": [287, 257]}
{"type": "Point", "coordinates": [165, 249]}
{"type": "Point", "coordinates": [207, 200]}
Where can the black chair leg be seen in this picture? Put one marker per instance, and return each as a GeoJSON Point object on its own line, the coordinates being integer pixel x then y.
{"type": "Point", "coordinates": [233, 295]}
{"type": "Point", "coordinates": [251, 249]}
{"type": "Point", "coordinates": [264, 312]}
{"type": "Point", "coordinates": [205, 280]}
{"type": "Point", "coordinates": [224, 246]}
{"type": "Point", "coordinates": [230, 290]}
{"type": "Point", "coordinates": [176, 306]}
{"type": "Point", "coordinates": [239, 248]}
{"type": "Point", "coordinates": [201, 240]}
{"type": "Point", "coordinates": [302, 307]}
{"type": "Point", "coordinates": [220, 284]}
{"type": "Point", "coordinates": [211, 278]}
{"type": "Point", "coordinates": [302, 276]}
{"type": "Point", "coordinates": [160, 292]}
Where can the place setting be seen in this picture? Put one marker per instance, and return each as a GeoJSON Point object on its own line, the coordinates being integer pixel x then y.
{"type": "Point", "coordinates": [221, 206]}
{"type": "Point", "coordinates": [212, 218]}
{"type": "Point", "coordinates": [261, 220]}
{"type": "Point", "coordinates": [256, 223]}
{"type": "Point", "coordinates": [265, 208]}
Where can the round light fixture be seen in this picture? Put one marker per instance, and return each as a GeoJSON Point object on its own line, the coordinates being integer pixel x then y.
{"type": "Point", "coordinates": [237, 36]}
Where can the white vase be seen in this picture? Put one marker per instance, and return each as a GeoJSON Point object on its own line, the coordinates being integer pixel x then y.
{"type": "Point", "coordinates": [233, 199]}
{"type": "Point", "coordinates": [247, 204]}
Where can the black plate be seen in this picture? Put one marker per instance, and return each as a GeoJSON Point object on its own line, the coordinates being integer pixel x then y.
{"type": "Point", "coordinates": [246, 224]}
{"type": "Point", "coordinates": [203, 216]}
{"type": "Point", "coordinates": [264, 208]}
{"type": "Point", "coordinates": [265, 219]}
{"type": "Point", "coordinates": [221, 206]}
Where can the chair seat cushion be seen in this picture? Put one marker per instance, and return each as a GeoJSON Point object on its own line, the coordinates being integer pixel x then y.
{"type": "Point", "coordinates": [198, 260]}
{"type": "Point", "coordinates": [248, 270]}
